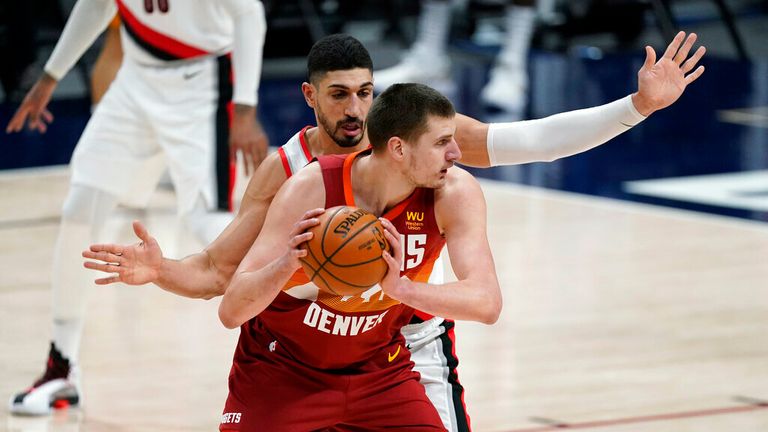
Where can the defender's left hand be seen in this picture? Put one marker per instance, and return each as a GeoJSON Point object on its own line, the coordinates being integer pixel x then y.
{"type": "Point", "coordinates": [661, 83]}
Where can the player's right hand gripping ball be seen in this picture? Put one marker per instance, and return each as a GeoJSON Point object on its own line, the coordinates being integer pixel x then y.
{"type": "Point", "coordinates": [344, 255]}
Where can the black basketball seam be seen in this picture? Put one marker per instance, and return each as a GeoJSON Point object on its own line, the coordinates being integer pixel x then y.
{"type": "Point", "coordinates": [341, 246]}
{"type": "Point", "coordinates": [315, 272]}
{"type": "Point", "coordinates": [354, 264]}
{"type": "Point", "coordinates": [327, 285]}
{"type": "Point", "coordinates": [322, 242]}
{"type": "Point", "coordinates": [359, 262]}
{"type": "Point", "coordinates": [325, 231]}
{"type": "Point", "coordinates": [309, 250]}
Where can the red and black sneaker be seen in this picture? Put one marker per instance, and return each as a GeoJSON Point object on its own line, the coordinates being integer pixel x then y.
{"type": "Point", "coordinates": [56, 389]}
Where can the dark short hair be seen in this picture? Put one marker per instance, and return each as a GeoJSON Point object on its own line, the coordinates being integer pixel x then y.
{"type": "Point", "coordinates": [402, 111]}
{"type": "Point", "coordinates": [336, 52]}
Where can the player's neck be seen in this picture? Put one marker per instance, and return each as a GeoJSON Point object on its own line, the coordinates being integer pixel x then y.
{"type": "Point", "coordinates": [320, 143]}
{"type": "Point", "coordinates": [377, 186]}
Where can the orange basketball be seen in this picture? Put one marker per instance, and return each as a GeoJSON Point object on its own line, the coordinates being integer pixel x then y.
{"type": "Point", "coordinates": [344, 255]}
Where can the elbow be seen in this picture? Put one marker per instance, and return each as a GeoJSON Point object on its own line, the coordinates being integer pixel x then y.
{"type": "Point", "coordinates": [229, 322]}
{"type": "Point", "coordinates": [492, 311]}
{"type": "Point", "coordinates": [228, 319]}
{"type": "Point", "coordinates": [491, 315]}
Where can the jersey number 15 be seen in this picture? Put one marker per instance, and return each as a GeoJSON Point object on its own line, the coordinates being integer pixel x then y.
{"type": "Point", "coordinates": [412, 246]}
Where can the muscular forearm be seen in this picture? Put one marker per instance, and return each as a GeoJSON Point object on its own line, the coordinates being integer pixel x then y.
{"type": "Point", "coordinates": [88, 19]}
{"type": "Point", "coordinates": [195, 276]}
{"type": "Point", "coordinates": [251, 291]}
{"type": "Point", "coordinates": [463, 300]}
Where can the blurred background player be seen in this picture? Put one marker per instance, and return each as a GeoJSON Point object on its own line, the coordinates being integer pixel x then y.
{"type": "Point", "coordinates": [508, 82]}
{"type": "Point", "coordinates": [169, 104]}
{"type": "Point", "coordinates": [108, 63]}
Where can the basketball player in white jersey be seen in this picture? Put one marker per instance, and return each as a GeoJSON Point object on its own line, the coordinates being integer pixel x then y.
{"type": "Point", "coordinates": [339, 89]}
{"type": "Point", "coordinates": [169, 103]}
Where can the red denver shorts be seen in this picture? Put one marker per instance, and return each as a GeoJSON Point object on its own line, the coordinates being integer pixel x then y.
{"type": "Point", "coordinates": [272, 392]}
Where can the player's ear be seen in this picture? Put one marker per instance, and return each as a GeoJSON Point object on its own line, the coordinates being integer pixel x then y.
{"type": "Point", "coordinates": [309, 92]}
{"type": "Point", "coordinates": [395, 147]}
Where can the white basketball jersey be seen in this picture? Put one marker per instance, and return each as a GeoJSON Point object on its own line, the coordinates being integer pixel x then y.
{"type": "Point", "coordinates": [295, 153]}
{"type": "Point", "coordinates": [176, 29]}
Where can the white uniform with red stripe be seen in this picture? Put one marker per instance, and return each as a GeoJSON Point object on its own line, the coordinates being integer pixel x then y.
{"type": "Point", "coordinates": [295, 154]}
{"type": "Point", "coordinates": [168, 105]}
{"type": "Point", "coordinates": [430, 339]}
{"type": "Point", "coordinates": [170, 102]}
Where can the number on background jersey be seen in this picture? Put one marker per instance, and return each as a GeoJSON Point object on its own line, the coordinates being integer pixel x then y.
{"type": "Point", "coordinates": [162, 5]}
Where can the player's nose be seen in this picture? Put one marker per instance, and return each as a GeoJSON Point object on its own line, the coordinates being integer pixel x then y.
{"type": "Point", "coordinates": [354, 107]}
{"type": "Point", "coordinates": [453, 152]}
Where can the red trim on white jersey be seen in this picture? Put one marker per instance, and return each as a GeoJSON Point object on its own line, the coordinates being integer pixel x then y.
{"type": "Point", "coordinates": [295, 153]}
{"type": "Point", "coordinates": [154, 42]}
{"type": "Point", "coordinates": [284, 160]}
{"type": "Point", "coordinates": [304, 145]}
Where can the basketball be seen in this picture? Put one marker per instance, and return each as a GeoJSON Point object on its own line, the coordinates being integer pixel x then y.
{"type": "Point", "coordinates": [344, 255]}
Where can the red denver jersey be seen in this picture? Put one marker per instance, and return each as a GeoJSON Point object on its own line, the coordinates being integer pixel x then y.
{"type": "Point", "coordinates": [327, 331]}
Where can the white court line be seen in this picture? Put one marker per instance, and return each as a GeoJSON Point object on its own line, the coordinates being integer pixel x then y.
{"type": "Point", "coordinates": [757, 116]}
{"type": "Point", "coordinates": [42, 171]}
{"type": "Point", "coordinates": [621, 205]}
{"type": "Point", "coordinates": [745, 190]}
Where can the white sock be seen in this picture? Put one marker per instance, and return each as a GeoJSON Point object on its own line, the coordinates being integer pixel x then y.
{"type": "Point", "coordinates": [66, 338]}
{"type": "Point", "coordinates": [434, 26]}
{"type": "Point", "coordinates": [70, 287]}
{"type": "Point", "coordinates": [84, 214]}
{"type": "Point", "coordinates": [519, 21]}
{"type": "Point", "coordinates": [205, 224]}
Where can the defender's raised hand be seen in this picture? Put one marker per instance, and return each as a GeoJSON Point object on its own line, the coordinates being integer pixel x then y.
{"type": "Point", "coordinates": [660, 83]}
{"type": "Point", "coordinates": [135, 264]}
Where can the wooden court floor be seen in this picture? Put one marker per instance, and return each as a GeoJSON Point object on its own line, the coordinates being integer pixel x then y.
{"type": "Point", "coordinates": [617, 317]}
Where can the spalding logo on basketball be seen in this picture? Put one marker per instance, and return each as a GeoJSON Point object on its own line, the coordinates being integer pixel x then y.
{"type": "Point", "coordinates": [344, 255]}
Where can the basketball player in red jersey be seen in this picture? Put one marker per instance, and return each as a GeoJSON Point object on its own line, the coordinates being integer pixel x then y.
{"type": "Point", "coordinates": [339, 90]}
{"type": "Point", "coordinates": [310, 360]}
{"type": "Point", "coordinates": [168, 105]}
